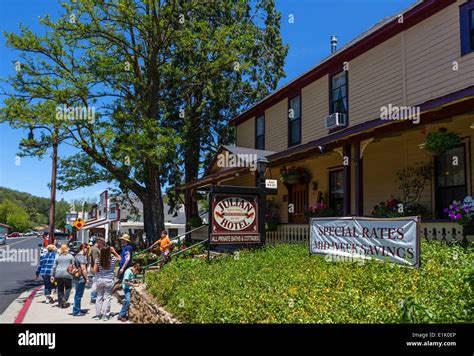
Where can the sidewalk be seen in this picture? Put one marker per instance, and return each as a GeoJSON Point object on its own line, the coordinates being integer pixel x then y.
{"type": "Point", "coordinates": [33, 309]}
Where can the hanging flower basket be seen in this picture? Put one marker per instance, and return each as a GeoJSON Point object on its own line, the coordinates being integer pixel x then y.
{"type": "Point", "coordinates": [437, 143]}
{"type": "Point", "coordinates": [294, 175]}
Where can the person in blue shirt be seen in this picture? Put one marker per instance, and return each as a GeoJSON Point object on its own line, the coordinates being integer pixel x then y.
{"type": "Point", "coordinates": [45, 270]}
{"type": "Point", "coordinates": [128, 283]}
{"type": "Point", "coordinates": [127, 250]}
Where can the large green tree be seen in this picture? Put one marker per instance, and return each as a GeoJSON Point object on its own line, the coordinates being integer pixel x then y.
{"type": "Point", "coordinates": [157, 79]}
{"type": "Point", "coordinates": [14, 216]}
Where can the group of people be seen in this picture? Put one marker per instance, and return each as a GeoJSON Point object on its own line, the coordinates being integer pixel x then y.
{"type": "Point", "coordinates": [95, 266]}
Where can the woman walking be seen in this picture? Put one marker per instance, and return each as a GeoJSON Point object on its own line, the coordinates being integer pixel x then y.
{"type": "Point", "coordinates": [45, 270]}
{"type": "Point", "coordinates": [81, 261]}
{"type": "Point", "coordinates": [104, 271]}
{"type": "Point", "coordinates": [62, 276]}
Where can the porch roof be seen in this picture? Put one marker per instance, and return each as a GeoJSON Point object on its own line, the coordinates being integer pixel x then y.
{"type": "Point", "coordinates": [236, 150]}
{"type": "Point", "coordinates": [213, 178]}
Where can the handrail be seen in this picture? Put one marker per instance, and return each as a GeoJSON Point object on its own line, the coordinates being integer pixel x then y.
{"type": "Point", "coordinates": [174, 238]}
{"type": "Point", "coordinates": [172, 255]}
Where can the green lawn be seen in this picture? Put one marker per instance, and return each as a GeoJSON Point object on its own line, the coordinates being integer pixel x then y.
{"type": "Point", "coordinates": [284, 284]}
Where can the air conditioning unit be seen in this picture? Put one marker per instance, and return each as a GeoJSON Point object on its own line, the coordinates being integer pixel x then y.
{"type": "Point", "coordinates": [336, 120]}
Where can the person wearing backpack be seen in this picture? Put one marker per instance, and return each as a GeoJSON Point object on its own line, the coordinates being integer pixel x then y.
{"type": "Point", "coordinates": [62, 275]}
{"type": "Point", "coordinates": [81, 278]}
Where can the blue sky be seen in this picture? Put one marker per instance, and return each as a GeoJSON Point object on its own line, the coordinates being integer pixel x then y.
{"type": "Point", "coordinates": [308, 37]}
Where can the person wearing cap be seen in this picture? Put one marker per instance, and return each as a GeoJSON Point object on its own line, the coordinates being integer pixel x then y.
{"type": "Point", "coordinates": [126, 255]}
{"type": "Point", "coordinates": [95, 254]}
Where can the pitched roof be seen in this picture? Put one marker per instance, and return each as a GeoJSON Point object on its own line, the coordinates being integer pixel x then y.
{"type": "Point", "coordinates": [380, 32]}
{"type": "Point", "coordinates": [248, 151]}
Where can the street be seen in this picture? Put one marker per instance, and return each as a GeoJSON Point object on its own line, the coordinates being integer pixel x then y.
{"type": "Point", "coordinates": [16, 277]}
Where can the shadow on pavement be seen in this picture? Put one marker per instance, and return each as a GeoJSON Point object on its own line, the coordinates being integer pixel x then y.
{"type": "Point", "coordinates": [24, 285]}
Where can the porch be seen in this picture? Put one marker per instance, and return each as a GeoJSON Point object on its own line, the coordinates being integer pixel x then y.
{"type": "Point", "coordinates": [431, 231]}
{"type": "Point", "coordinates": [299, 233]}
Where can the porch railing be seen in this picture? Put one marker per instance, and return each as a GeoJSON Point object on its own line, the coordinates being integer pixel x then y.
{"type": "Point", "coordinates": [299, 233]}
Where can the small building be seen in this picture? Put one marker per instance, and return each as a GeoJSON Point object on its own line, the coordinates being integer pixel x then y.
{"type": "Point", "coordinates": [112, 217]}
{"type": "Point", "coordinates": [5, 229]}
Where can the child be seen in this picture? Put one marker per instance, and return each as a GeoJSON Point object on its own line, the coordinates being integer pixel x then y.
{"type": "Point", "coordinates": [165, 245]}
{"type": "Point", "coordinates": [127, 285]}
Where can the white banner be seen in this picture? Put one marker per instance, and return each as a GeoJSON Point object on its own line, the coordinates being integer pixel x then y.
{"type": "Point", "coordinates": [392, 240]}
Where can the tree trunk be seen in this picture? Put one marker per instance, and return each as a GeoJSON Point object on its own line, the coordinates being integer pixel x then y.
{"type": "Point", "coordinates": [153, 214]}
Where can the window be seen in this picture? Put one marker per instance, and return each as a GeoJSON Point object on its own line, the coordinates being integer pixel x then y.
{"type": "Point", "coordinates": [450, 179]}
{"type": "Point", "coordinates": [260, 133]}
{"type": "Point", "coordinates": [471, 28]}
{"type": "Point", "coordinates": [336, 191]}
{"type": "Point", "coordinates": [294, 121]}
{"type": "Point", "coordinates": [466, 16]}
{"type": "Point", "coordinates": [339, 93]}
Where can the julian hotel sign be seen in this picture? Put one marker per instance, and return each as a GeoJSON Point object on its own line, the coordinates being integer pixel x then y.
{"type": "Point", "coordinates": [392, 240]}
{"type": "Point", "coordinates": [234, 219]}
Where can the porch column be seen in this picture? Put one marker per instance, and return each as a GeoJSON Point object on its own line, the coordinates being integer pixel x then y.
{"type": "Point", "coordinates": [346, 159]}
{"type": "Point", "coordinates": [359, 194]}
{"type": "Point", "coordinates": [188, 200]}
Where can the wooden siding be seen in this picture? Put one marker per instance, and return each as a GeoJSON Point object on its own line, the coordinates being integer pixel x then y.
{"type": "Point", "coordinates": [246, 134]}
{"type": "Point", "coordinates": [375, 80]}
{"type": "Point", "coordinates": [276, 127]}
{"type": "Point", "coordinates": [314, 108]}
{"type": "Point", "coordinates": [431, 48]}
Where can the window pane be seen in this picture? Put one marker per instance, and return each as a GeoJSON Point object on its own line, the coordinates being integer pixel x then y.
{"type": "Point", "coordinates": [295, 132]}
{"type": "Point", "coordinates": [339, 80]}
{"type": "Point", "coordinates": [337, 190]}
{"type": "Point", "coordinates": [260, 144]}
{"type": "Point", "coordinates": [450, 175]}
{"type": "Point", "coordinates": [472, 29]}
{"type": "Point", "coordinates": [295, 105]}
{"type": "Point", "coordinates": [260, 125]}
{"type": "Point", "coordinates": [340, 106]}
{"type": "Point", "coordinates": [339, 93]}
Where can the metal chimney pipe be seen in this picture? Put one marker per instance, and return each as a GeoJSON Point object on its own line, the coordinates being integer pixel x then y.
{"type": "Point", "coordinates": [333, 43]}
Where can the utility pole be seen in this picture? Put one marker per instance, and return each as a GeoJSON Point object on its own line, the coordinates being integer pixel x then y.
{"type": "Point", "coordinates": [52, 203]}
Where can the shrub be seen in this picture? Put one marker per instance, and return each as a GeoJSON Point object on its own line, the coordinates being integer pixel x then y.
{"type": "Point", "coordinates": [283, 284]}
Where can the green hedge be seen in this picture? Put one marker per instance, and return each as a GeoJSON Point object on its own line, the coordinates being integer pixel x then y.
{"type": "Point", "coordinates": [284, 284]}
